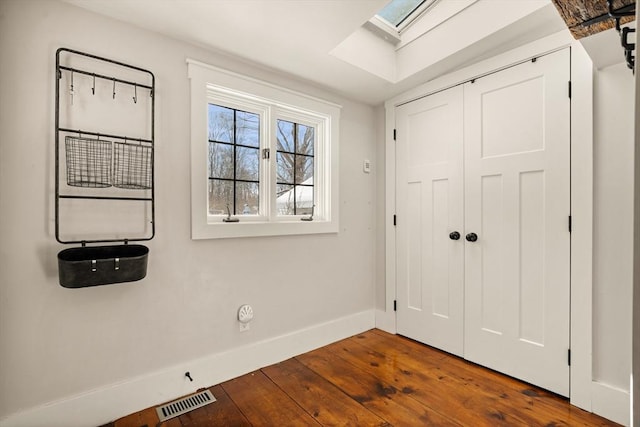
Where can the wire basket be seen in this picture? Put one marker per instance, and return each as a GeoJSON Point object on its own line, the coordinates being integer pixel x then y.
{"type": "Point", "coordinates": [88, 162]}
{"type": "Point", "coordinates": [132, 166]}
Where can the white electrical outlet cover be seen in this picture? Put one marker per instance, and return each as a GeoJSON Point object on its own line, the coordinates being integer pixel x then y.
{"type": "Point", "coordinates": [245, 313]}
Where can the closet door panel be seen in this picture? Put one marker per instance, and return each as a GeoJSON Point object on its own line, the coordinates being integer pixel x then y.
{"type": "Point", "coordinates": [429, 208]}
{"type": "Point", "coordinates": [517, 202]}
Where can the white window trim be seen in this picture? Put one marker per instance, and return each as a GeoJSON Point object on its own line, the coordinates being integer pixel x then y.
{"type": "Point", "coordinates": [209, 83]}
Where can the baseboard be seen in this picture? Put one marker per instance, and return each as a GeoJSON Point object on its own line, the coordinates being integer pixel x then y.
{"type": "Point", "coordinates": [611, 403]}
{"type": "Point", "coordinates": [386, 321]}
{"type": "Point", "coordinates": [109, 403]}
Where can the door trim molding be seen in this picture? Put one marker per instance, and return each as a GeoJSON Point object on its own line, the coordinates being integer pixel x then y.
{"type": "Point", "coordinates": [581, 394]}
{"type": "Point", "coordinates": [582, 230]}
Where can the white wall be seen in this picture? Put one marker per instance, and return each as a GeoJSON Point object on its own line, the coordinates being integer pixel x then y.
{"type": "Point", "coordinates": [613, 177]}
{"type": "Point", "coordinates": [380, 288]}
{"type": "Point", "coordinates": [635, 363]}
{"type": "Point", "coordinates": [55, 342]}
{"type": "Point", "coordinates": [613, 224]}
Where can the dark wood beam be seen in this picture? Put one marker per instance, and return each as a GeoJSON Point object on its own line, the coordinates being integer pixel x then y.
{"type": "Point", "coordinates": [588, 17]}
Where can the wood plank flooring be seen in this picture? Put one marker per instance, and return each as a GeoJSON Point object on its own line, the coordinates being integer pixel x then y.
{"type": "Point", "coordinates": [376, 379]}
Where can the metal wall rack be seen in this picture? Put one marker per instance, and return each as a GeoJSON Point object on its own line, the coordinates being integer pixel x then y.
{"type": "Point", "coordinates": [95, 163]}
{"type": "Point", "coordinates": [623, 13]}
{"type": "Point", "coordinates": [627, 11]}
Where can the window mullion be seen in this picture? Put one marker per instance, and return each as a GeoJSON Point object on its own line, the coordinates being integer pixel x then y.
{"type": "Point", "coordinates": [295, 169]}
{"type": "Point", "coordinates": [274, 166]}
{"type": "Point", "coordinates": [269, 174]}
{"type": "Point", "coordinates": [235, 159]}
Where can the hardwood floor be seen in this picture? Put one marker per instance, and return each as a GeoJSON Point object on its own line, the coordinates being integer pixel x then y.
{"type": "Point", "coordinates": [376, 379]}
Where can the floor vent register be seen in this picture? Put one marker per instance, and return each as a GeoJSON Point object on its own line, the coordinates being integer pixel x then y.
{"type": "Point", "coordinates": [184, 405]}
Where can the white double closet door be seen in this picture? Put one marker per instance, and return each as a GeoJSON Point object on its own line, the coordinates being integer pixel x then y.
{"type": "Point", "coordinates": [490, 159]}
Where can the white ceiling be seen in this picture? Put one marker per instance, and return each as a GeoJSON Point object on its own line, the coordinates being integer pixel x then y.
{"type": "Point", "coordinates": [295, 36]}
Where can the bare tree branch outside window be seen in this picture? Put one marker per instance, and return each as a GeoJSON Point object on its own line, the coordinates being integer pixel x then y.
{"type": "Point", "coordinates": [234, 161]}
{"type": "Point", "coordinates": [295, 168]}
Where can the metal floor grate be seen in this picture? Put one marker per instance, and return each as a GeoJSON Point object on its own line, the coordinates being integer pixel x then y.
{"type": "Point", "coordinates": [184, 405]}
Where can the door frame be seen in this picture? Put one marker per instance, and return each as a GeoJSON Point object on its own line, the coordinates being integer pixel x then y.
{"type": "Point", "coordinates": [581, 392]}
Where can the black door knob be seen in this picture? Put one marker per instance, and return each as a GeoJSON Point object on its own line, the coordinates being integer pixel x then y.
{"type": "Point", "coordinates": [454, 235]}
{"type": "Point", "coordinates": [471, 237]}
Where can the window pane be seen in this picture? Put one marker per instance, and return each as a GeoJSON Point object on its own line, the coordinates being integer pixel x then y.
{"type": "Point", "coordinates": [397, 11]}
{"type": "Point", "coordinates": [220, 195]}
{"type": "Point", "coordinates": [304, 199]}
{"type": "Point", "coordinates": [295, 165]}
{"type": "Point", "coordinates": [220, 160]}
{"type": "Point", "coordinates": [304, 170]}
{"type": "Point", "coordinates": [296, 200]}
{"type": "Point", "coordinates": [285, 199]}
{"type": "Point", "coordinates": [285, 136]}
{"type": "Point", "coordinates": [233, 159]}
{"type": "Point", "coordinates": [247, 129]}
{"type": "Point", "coordinates": [220, 123]}
{"type": "Point", "coordinates": [247, 163]}
{"type": "Point", "coordinates": [285, 168]}
{"type": "Point", "coordinates": [305, 140]}
{"type": "Point", "coordinates": [247, 198]}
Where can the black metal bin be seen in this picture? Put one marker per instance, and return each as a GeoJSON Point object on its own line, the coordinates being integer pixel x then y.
{"type": "Point", "coordinates": [102, 265]}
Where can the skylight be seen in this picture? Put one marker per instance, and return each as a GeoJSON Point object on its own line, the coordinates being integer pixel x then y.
{"type": "Point", "coordinates": [397, 11]}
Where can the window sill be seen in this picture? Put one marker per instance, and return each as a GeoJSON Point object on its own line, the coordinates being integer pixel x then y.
{"type": "Point", "coordinates": [226, 230]}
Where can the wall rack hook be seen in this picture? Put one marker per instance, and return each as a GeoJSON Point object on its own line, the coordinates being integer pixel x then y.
{"type": "Point", "coordinates": [617, 15]}
{"type": "Point", "coordinates": [71, 88]}
{"type": "Point", "coordinates": [624, 38]}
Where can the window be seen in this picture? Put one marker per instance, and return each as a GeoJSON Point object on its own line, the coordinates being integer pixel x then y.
{"type": "Point", "coordinates": [397, 11]}
{"type": "Point", "coordinates": [263, 158]}
{"type": "Point", "coordinates": [397, 16]}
